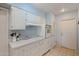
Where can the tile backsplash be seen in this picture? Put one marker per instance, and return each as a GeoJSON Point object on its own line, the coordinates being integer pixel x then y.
{"type": "Point", "coordinates": [30, 32]}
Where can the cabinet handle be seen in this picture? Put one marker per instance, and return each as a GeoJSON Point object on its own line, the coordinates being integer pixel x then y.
{"type": "Point", "coordinates": [11, 26]}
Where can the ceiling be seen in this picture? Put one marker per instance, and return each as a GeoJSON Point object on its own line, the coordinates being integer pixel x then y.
{"type": "Point", "coordinates": [56, 7]}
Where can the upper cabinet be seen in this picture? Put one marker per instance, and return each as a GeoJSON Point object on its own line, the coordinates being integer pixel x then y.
{"type": "Point", "coordinates": [17, 21]}
{"type": "Point", "coordinates": [32, 19]}
{"type": "Point", "coordinates": [20, 19]}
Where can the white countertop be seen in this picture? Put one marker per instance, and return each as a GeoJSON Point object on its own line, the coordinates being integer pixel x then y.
{"type": "Point", "coordinates": [24, 42]}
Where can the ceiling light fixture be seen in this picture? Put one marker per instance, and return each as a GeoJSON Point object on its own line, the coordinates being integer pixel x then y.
{"type": "Point", "coordinates": [62, 10]}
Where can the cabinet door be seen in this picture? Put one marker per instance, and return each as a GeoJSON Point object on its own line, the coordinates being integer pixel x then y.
{"type": "Point", "coordinates": [52, 42]}
{"type": "Point", "coordinates": [17, 18]}
{"type": "Point", "coordinates": [34, 49]}
{"type": "Point", "coordinates": [17, 51]}
{"type": "Point", "coordinates": [29, 18]}
{"type": "Point", "coordinates": [44, 47]}
{"type": "Point", "coordinates": [32, 19]}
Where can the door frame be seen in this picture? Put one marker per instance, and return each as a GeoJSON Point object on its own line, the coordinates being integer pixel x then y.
{"type": "Point", "coordinates": [7, 10]}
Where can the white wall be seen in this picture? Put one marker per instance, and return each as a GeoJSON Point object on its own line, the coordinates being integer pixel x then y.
{"type": "Point", "coordinates": [64, 16]}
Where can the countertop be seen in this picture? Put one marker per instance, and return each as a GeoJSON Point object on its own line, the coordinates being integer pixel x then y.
{"type": "Point", "coordinates": [24, 42]}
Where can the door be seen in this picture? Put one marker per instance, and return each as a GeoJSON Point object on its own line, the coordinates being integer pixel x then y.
{"type": "Point", "coordinates": [68, 30]}
{"type": "Point", "coordinates": [3, 32]}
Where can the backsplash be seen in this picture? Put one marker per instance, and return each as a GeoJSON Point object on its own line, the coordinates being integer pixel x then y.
{"type": "Point", "coordinates": [29, 32]}
{"type": "Point", "coordinates": [32, 31]}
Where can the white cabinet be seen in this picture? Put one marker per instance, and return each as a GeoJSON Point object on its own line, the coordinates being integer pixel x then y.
{"type": "Point", "coordinates": [37, 48]}
{"type": "Point", "coordinates": [52, 42]}
{"type": "Point", "coordinates": [32, 19]}
{"type": "Point", "coordinates": [33, 49]}
{"type": "Point", "coordinates": [17, 19]}
{"type": "Point", "coordinates": [44, 44]}
{"type": "Point", "coordinates": [17, 51]}
{"type": "Point", "coordinates": [26, 50]}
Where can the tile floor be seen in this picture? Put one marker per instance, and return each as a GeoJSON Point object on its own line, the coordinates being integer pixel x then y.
{"type": "Point", "coordinates": [61, 51]}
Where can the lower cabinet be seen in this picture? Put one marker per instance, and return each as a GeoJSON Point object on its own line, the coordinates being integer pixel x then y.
{"type": "Point", "coordinates": [33, 49]}
{"type": "Point", "coordinates": [17, 51]}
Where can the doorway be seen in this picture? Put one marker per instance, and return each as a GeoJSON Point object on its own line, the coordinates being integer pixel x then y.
{"type": "Point", "coordinates": [68, 33]}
